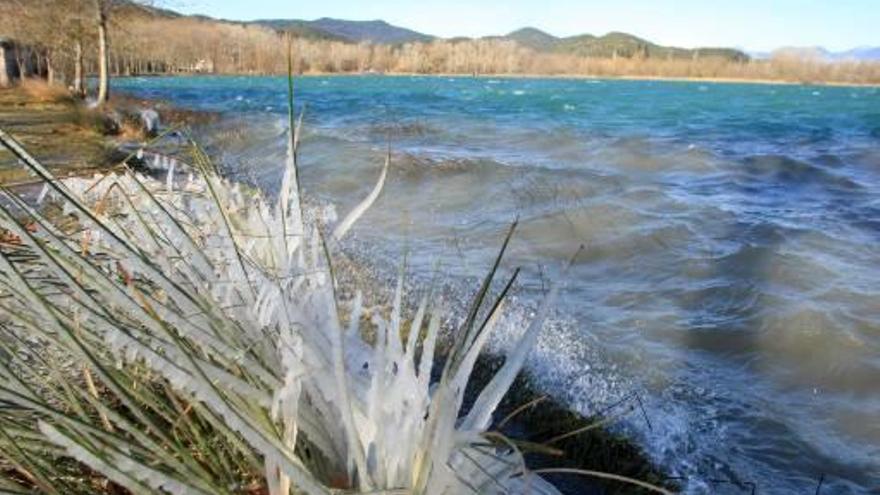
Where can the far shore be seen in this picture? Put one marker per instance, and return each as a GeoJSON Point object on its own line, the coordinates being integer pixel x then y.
{"type": "Point", "coordinates": [584, 77]}
{"type": "Point", "coordinates": [712, 80]}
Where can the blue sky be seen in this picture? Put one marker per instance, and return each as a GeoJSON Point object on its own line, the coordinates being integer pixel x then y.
{"type": "Point", "coordinates": [751, 24]}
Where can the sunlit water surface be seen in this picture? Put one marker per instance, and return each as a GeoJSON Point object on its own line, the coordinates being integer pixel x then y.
{"type": "Point", "coordinates": [731, 272]}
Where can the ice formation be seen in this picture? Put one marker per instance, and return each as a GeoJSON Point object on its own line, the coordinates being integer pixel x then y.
{"type": "Point", "coordinates": [231, 299]}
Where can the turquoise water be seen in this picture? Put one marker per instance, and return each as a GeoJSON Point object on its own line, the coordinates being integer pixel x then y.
{"type": "Point", "coordinates": [732, 242]}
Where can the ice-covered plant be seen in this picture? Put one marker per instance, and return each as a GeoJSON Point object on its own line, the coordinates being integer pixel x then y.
{"type": "Point", "coordinates": [198, 296]}
{"type": "Point", "coordinates": [183, 335]}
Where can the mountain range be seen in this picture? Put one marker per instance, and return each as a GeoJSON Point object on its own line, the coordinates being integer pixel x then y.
{"type": "Point", "coordinates": [862, 53]}
{"type": "Point", "coordinates": [613, 44]}
{"type": "Point", "coordinates": [377, 31]}
{"type": "Point", "coordinates": [609, 45]}
{"type": "Point", "coordinates": [605, 46]}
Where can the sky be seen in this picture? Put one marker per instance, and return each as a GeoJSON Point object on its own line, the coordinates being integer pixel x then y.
{"type": "Point", "coordinates": [750, 24]}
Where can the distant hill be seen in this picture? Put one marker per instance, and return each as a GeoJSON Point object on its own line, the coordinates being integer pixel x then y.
{"type": "Point", "coordinates": [587, 45]}
{"type": "Point", "coordinates": [352, 31]}
{"type": "Point", "coordinates": [613, 44]}
{"type": "Point", "coordinates": [861, 54]}
{"type": "Point", "coordinates": [127, 8]}
{"type": "Point", "coordinates": [802, 53]}
{"type": "Point", "coordinates": [373, 31]}
{"type": "Point", "coordinates": [298, 28]}
{"type": "Point", "coordinates": [865, 53]}
{"type": "Point", "coordinates": [627, 45]}
{"type": "Point", "coordinates": [535, 39]}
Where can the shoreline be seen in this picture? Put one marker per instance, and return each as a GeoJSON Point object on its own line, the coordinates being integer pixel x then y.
{"type": "Point", "coordinates": [576, 77]}
{"type": "Point", "coordinates": [74, 139]}
{"type": "Point", "coordinates": [582, 77]}
{"type": "Point", "coordinates": [59, 130]}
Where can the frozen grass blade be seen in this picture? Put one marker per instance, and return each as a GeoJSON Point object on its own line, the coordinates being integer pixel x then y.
{"type": "Point", "coordinates": [364, 205]}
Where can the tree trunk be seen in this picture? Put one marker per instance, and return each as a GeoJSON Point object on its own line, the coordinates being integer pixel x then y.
{"type": "Point", "coordinates": [79, 88]}
{"type": "Point", "coordinates": [5, 80]}
{"type": "Point", "coordinates": [38, 66]}
{"type": "Point", "coordinates": [103, 54]}
{"type": "Point", "coordinates": [50, 69]}
{"type": "Point", "coordinates": [19, 60]}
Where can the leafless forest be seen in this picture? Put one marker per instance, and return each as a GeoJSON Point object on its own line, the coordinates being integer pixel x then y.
{"type": "Point", "coordinates": [142, 41]}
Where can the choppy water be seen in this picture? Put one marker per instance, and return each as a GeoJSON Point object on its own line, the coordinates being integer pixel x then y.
{"type": "Point", "coordinates": [732, 232]}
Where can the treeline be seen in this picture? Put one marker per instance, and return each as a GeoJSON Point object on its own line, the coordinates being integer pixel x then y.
{"type": "Point", "coordinates": [145, 41]}
{"type": "Point", "coordinates": [196, 45]}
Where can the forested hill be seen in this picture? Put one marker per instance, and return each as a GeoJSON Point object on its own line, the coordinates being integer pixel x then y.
{"type": "Point", "coordinates": [615, 44]}
{"type": "Point", "coordinates": [610, 45]}
{"type": "Point", "coordinates": [377, 31]}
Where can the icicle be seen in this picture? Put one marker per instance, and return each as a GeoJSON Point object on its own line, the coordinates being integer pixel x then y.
{"type": "Point", "coordinates": [43, 192]}
{"type": "Point", "coordinates": [169, 177]}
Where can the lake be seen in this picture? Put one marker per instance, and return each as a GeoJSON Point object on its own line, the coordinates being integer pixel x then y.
{"type": "Point", "coordinates": [731, 267]}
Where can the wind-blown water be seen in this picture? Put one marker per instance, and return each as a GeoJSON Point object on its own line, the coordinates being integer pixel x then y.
{"type": "Point", "coordinates": [732, 265]}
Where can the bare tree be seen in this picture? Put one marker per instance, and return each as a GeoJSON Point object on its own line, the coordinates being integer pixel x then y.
{"type": "Point", "coordinates": [102, 7]}
{"type": "Point", "coordinates": [76, 24]}
{"type": "Point", "coordinates": [79, 87]}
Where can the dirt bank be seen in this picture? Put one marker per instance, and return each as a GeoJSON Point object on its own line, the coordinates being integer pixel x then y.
{"type": "Point", "coordinates": [71, 138]}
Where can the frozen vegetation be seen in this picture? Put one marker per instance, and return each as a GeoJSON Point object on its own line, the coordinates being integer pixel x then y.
{"type": "Point", "coordinates": [182, 334]}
